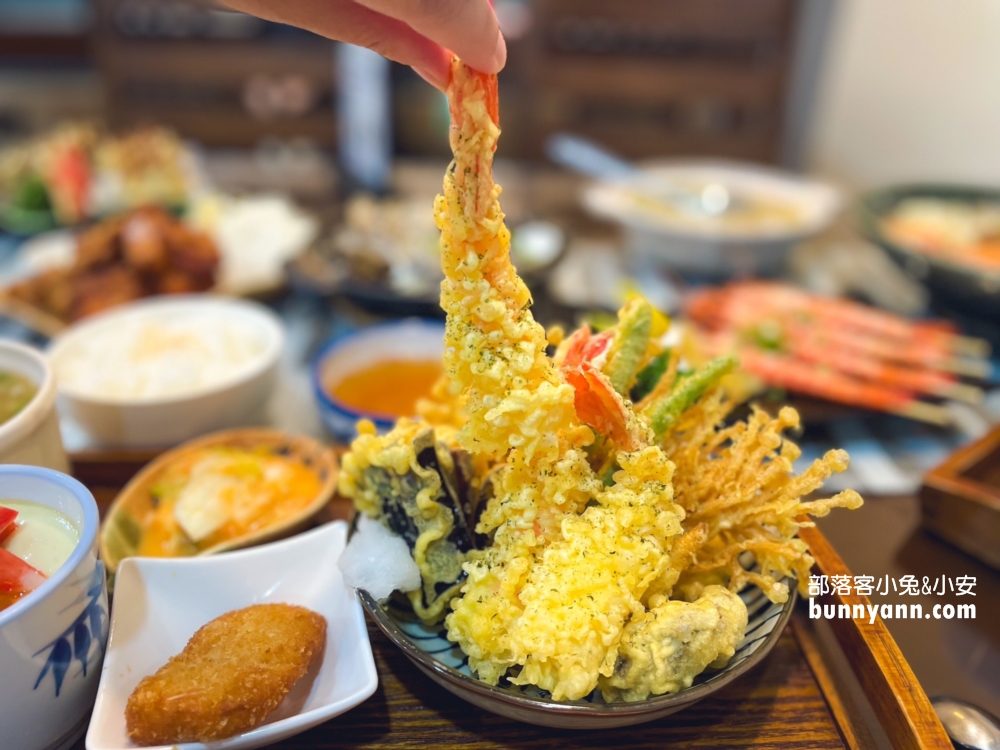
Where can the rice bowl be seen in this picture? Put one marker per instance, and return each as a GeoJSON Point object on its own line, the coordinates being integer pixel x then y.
{"type": "Point", "coordinates": [161, 371]}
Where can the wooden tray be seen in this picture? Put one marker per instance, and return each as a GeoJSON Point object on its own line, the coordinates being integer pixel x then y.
{"type": "Point", "coordinates": [960, 499]}
{"type": "Point", "coordinates": [799, 697]}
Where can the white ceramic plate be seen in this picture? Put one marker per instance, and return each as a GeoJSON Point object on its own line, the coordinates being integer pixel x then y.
{"type": "Point", "coordinates": [817, 203]}
{"type": "Point", "coordinates": [160, 603]}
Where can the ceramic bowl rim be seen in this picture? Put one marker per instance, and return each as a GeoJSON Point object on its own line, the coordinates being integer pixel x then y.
{"type": "Point", "coordinates": [37, 409]}
{"type": "Point", "coordinates": [266, 318]}
{"type": "Point", "coordinates": [88, 535]}
{"type": "Point", "coordinates": [573, 708]}
{"type": "Point", "coordinates": [823, 192]}
{"type": "Point", "coordinates": [330, 347]}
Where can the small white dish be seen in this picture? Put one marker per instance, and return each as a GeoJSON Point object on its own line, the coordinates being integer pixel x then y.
{"type": "Point", "coordinates": [160, 603]}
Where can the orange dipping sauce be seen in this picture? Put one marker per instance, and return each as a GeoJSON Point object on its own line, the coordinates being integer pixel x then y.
{"type": "Point", "coordinates": [391, 387]}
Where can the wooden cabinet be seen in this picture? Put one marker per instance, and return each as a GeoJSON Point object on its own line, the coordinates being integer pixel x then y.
{"type": "Point", "coordinates": [644, 77]}
{"type": "Point", "coordinates": [217, 77]}
{"type": "Point", "coordinates": [660, 77]}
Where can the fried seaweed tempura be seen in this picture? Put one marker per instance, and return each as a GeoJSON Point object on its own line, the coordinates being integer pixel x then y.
{"type": "Point", "coordinates": [232, 673]}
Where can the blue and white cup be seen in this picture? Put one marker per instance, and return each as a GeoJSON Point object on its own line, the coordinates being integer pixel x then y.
{"type": "Point", "coordinates": [52, 641]}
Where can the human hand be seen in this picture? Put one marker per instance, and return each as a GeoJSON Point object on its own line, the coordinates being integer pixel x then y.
{"type": "Point", "coordinates": [420, 33]}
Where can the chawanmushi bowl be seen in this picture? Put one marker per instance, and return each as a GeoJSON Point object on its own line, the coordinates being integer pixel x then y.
{"type": "Point", "coordinates": [52, 641]}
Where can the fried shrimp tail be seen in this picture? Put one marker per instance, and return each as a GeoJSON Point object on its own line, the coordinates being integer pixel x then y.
{"type": "Point", "coordinates": [232, 673]}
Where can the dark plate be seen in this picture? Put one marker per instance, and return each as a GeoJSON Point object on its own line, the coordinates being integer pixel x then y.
{"type": "Point", "coordinates": [956, 284]}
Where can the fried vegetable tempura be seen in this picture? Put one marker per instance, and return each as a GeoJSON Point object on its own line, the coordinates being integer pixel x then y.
{"type": "Point", "coordinates": [232, 673]}
{"type": "Point", "coordinates": [664, 648]}
{"type": "Point", "coordinates": [737, 481]}
{"type": "Point", "coordinates": [592, 562]}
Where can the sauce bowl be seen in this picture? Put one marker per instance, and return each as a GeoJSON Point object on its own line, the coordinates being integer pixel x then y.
{"type": "Point", "coordinates": [52, 641]}
{"type": "Point", "coordinates": [409, 339]}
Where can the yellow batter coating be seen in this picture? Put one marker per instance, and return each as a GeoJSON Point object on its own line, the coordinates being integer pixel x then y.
{"type": "Point", "coordinates": [383, 466]}
{"type": "Point", "coordinates": [494, 350]}
{"type": "Point", "coordinates": [665, 648]}
{"type": "Point", "coordinates": [555, 589]}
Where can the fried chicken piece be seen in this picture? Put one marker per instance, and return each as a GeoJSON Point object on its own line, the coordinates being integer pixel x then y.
{"type": "Point", "coordinates": [176, 282]}
{"type": "Point", "coordinates": [103, 289]}
{"type": "Point", "coordinates": [99, 245]}
{"type": "Point", "coordinates": [57, 292]}
{"type": "Point", "coordinates": [233, 673]}
{"type": "Point", "coordinates": [191, 251]}
{"type": "Point", "coordinates": [143, 244]}
{"type": "Point", "coordinates": [50, 291]}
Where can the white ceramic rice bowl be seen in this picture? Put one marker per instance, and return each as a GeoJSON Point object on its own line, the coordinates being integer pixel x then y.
{"type": "Point", "coordinates": [237, 401]}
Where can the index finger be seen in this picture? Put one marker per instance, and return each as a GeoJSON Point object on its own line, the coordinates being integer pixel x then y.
{"type": "Point", "coordinates": [468, 28]}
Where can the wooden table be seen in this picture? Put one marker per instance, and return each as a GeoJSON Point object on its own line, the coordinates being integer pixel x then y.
{"type": "Point", "coordinates": [792, 700]}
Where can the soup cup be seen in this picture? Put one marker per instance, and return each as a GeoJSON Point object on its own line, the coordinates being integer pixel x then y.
{"type": "Point", "coordinates": [32, 435]}
{"type": "Point", "coordinates": [52, 641]}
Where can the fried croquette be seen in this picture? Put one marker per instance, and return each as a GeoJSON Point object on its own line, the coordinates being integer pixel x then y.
{"type": "Point", "coordinates": [231, 674]}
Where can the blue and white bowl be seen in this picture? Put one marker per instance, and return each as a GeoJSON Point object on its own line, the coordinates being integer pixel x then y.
{"type": "Point", "coordinates": [413, 338]}
{"type": "Point", "coordinates": [428, 647]}
{"type": "Point", "coordinates": [52, 641]}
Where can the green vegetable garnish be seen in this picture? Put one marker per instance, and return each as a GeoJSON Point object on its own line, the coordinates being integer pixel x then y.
{"type": "Point", "coordinates": [32, 195]}
{"type": "Point", "coordinates": [664, 413]}
{"type": "Point", "coordinates": [649, 376]}
{"type": "Point", "coordinates": [635, 321]}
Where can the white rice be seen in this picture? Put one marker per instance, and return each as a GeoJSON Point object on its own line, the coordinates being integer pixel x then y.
{"type": "Point", "coordinates": [157, 356]}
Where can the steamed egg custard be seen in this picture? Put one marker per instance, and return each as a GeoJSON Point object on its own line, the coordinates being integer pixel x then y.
{"type": "Point", "coordinates": [541, 496]}
{"type": "Point", "coordinates": [35, 541]}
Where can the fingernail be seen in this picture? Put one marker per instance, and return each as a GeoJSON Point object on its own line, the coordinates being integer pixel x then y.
{"type": "Point", "coordinates": [500, 54]}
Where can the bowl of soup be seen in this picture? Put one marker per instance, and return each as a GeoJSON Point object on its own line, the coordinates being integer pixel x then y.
{"type": "Point", "coordinates": [53, 608]}
{"type": "Point", "coordinates": [377, 373]}
{"type": "Point", "coordinates": [29, 425]}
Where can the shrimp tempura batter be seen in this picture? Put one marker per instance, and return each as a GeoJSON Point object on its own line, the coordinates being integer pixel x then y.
{"type": "Point", "coordinates": [571, 559]}
{"type": "Point", "coordinates": [494, 349]}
